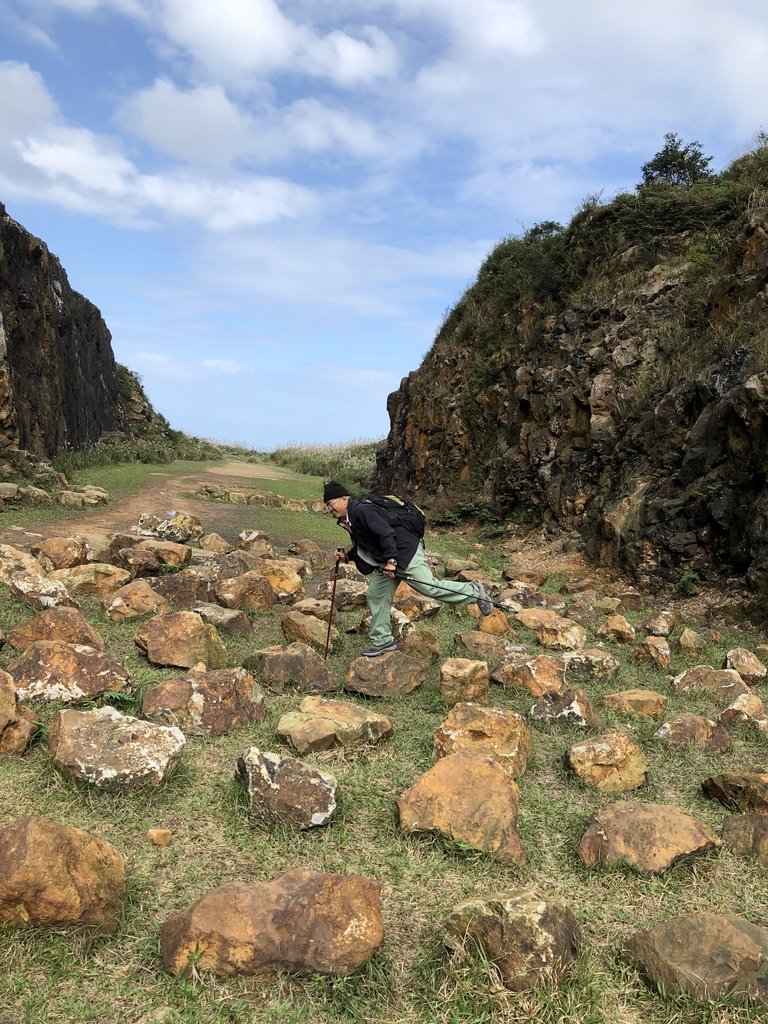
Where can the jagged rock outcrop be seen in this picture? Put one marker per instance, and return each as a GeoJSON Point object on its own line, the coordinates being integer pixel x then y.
{"type": "Point", "coordinates": [629, 402]}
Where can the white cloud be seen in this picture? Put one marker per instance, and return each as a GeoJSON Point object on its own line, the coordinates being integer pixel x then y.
{"type": "Point", "coordinates": [159, 364]}
{"type": "Point", "coordinates": [225, 367]}
{"type": "Point", "coordinates": [25, 103]}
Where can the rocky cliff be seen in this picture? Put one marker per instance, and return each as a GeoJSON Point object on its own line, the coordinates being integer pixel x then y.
{"type": "Point", "coordinates": [610, 377]}
{"type": "Point", "coordinates": [60, 387]}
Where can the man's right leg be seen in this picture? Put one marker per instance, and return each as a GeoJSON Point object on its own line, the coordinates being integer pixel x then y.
{"type": "Point", "coordinates": [380, 594]}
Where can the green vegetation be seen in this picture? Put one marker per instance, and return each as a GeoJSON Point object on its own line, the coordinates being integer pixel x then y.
{"type": "Point", "coordinates": [677, 164]}
{"type": "Point", "coordinates": [352, 464]}
{"type": "Point", "coordinates": [61, 978]}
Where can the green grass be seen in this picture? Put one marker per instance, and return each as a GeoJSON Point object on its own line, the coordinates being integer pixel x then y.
{"type": "Point", "coordinates": [54, 976]}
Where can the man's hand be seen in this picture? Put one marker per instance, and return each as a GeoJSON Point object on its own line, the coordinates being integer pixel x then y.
{"type": "Point", "coordinates": [390, 568]}
{"type": "Point", "coordinates": [341, 555]}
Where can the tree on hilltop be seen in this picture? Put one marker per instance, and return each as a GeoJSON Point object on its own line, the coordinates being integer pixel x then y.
{"type": "Point", "coordinates": [676, 164]}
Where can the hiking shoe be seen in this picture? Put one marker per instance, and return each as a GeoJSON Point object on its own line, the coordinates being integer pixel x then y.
{"type": "Point", "coordinates": [374, 652]}
{"type": "Point", "coordinates": [484, 603]}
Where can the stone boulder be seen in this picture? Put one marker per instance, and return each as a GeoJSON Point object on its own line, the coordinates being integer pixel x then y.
{"type": "Point", "coordinates": [747, 709]}
{"type": "Point", "coordinates": [296, 666]}
{"type": "Point", "coordinates": [704, 955]}
{"type": "Point", "coordinates": [215, 542]}
{"type": "Point", "coordinates": [469, 798]}
{"type": "Point", "coordinates": [283, 578]}
{"type": "Point", "coordinates": [415, 605]}
{"type": "Point", "coordinates": [724, 681]}
{"type": "Point", "coordinates": [106, 748]}
{"type": "Point", "coordinates": [306, 629]}
{"type": "Point", "coordinates": [283, 789]}
{"type": "Point", "coordinates": [389, 675]}
{"type": "Point", "coordinates": [60, 552]}
{"type": "Point", "coordinates": [183, 589]}
{"type": "Point", "coordinates": [571, 706]}
{"type": "Point", "coordinates": [55, 670]}
{"type": "Point", "coordinates": [486, 647]}
{"type": "Point", "coordinates": [746, 835]}
{"type": "Point", "coordinates": [138, 561]}
{"type": "Point", "coordinates": [532, 942]}
{"type": "Point", "coordinates": [537, 675]}
{"type": "Point", "coordinates": [305, 922]}
{"type": "Point", "coordinates": [232, 619]}
{"type": "Point", "coordinates": [492, 732]}
{"type": "Point", "coordinates": [59, 876]}
{"type": "Point", "coordinates": [350, 593]}
{"type": "Point", "coordinates": [17, 723]}
{"type": "Point", "coordinates": [562, 635]}
{"type": "Point", "coordinates": [67, 624]}
{"type": "Point", "coordinates": [662, 623]}
{"type": "Point", "coordinates": [14, 560]}
{"type": "Point", "coordinates": [178, 527]}
{"type": "Point", "coordinates": [97, 579]}
{"type": "Point", "coordinates": [249, 592]}
{"type": "Point", "coordinates": [743, 790]}
{"type": "Point", "coordinates": [641, 703]}
{"type": "Point", "coordinates": [592, 662]}
{"type": "Point", "coordinates": [323, 724]}
{"type": "Point", "coordinates": [616, 627]}
{"type": "Point", "coordinates": [40, 591]}
{"type": "Point", "coordinates": [495, 624]}
{"type": "Point", "coordinates": [691, 642]}
{"type": "Point", "coordinates": [533, 618]}
{"type": "Point", "coordinates": [205, 703]}
{"type": "Point", "coordinates": [462, 679]}
{"type": "Point", "coordinates": [256, 542]}
{"type": "Point", "coordinates": [610, 763]}
{"type": "Point", "coordinates": [422, 645]}
{"type": "Point", "coordinates": [749, 667]}
{"type": "Point", "coordinates": [646, 837]}
{"type": "Point", "coordinates": [310, 551]}
{"type": "Point", "coordinates": [181, 639]}
{"type": "Point", "coordinates": [134, 599]}
{"type": "Point", "coordinates": [684, 729]}
{"type": "Point", "coordinates": [654, 649]}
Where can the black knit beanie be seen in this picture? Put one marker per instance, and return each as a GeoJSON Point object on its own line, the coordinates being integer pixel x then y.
{"type": "Point", "coordinates": [333, 489]}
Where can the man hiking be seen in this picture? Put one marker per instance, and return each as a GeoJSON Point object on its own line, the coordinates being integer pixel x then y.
{"type": "Point", "coordinates": [383, 542]}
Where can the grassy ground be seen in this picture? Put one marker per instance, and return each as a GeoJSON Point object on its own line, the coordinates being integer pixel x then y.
{"type": "Point", "coordinates": [55, 976]}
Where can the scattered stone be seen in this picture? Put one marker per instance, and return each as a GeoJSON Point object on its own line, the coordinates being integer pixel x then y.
{"type": "Point", "coordinates": [607, 605]}
{"type": "Point", "coordinates": [305, 922]}
{"type": "Point", "coordinates": [320, 609]}
{"type": "Point", "coordinates": [350, 594]}
{"type": "Point", "coordinates": [662, 623]}
{"type": "Point", "coordinates": [255, 542]}
{"type": "Point", "coordinates": [616, 627]}
{"type": "Point", "coordinates": [55, 670]}
{"type": "Point", "coordinates": [283, 579]}
{"type": "Point", "coordinates": [472, 729]}
{"type": "Point", "coordinates": [532, 618]}
{"type": "Point", "coordinates": [251, 592]}
{"type": "Point", "coordinates": [655, 649]}
{"type": "Point", "coordinates": [647, 837]}
{"type": "Point", "coordinates": [749, 667]}
{"type": "Point", "coordinates": [181, 639]}
{"type": "Point", "coordinates": [184, 589]}
{"type": "Point", "coordinates": [205, 703]}
{"type": "Point", "coordinates": [18, 726]}
{"type": "Point", "coordinates": [60, 552]}
{"type": "Point", "coordinates": [413, 604]}
{"type": "Point", "coordinates": [571, 706]}
{"type": "Point", "coordinates": [686, 728]}
{"type": "Point", "coordinates": [159, 836]}
{"type": "Point", "coordinates": [743, 790]}
{"type": "Point", "coordinates": [422, 645]}
{"type": "Point", "coordinates": [285, 790]}
{"type": "Point", "coordinates": [532, 942]}
{"type": "Point", "coordinates": [610, 763]}
{"type": "Point", "coordinates": [95, 578]}
{"type": "Point", "coordinates": [704, 955]}
{"type": "Point", "coordinates": [14, 560]}
{"type": "Point", "coordinates": [40, 592]}
{"type": "Point", "coordinates": [134, 599]}
{"type": "Point", "coordinates": [462, 679]}
{"type": "Point", "coordinates": [486, 647]}
{"type": "Point", "coordinates": [321, 724]}
{"type": "Point", "coordinates": [389, 675]}
{"type": "Point", "coordinates": [469, 798]}
{"type": "Point", "coordinates": [296, 665]}
{"type": "Point", "coordinates": [216, 543]}
{"type": "Point", "coordinates": [306, 629]}
{"type": "Point", "coordinates": [168, 552]}
{"type": "Point", "coordinates": [593, 662]}
{"type": "Point", "coordinates": [495, 624]}
{"type": "Point", "coordinates": [691, 642]}
{"type": "Point", "coordinates": [746, 835]}
{"type": "Point", "coordinates": [232, 619]}
{"type": "Point", "coordinates": [67, 624]}
{"type": "Point", "coordinates": [138, 561]}
{"type": "Point", "coordinates": [177, 527]}
{"type": "Point", "coordinates": [104, 747]}
{"type": "Point", "coordinates": [642, 703]}
{"type": "Point", "coordinates": [631, 599]}
{"type": "Point", "coordinates": [59, 876]}
{"type": "Point", "coordinates": [538, 675]}
{"type": "Point", "coordinates": [703, 677]}
{"type": "Point", "coordinates": [562, 635]}
{"type": "Point", "coordinates": [746, 709]}
{"type": "Point", "coordinates": [311, 552]}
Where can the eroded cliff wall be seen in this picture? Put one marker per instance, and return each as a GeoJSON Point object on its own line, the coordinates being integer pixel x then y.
{"type": "Point", "coordinates": [58, 382]}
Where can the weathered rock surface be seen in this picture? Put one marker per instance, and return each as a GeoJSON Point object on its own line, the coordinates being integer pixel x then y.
{"type": "Point", "coordinates": [306, 629]}
{"type": "Point", "coordinates": [531, 941]}
{"type": "Point", "coordinates": [616, 627]}
{"type": "Point", "coordinates": [611, 762]}
{"type": "Point", "coordinates": [96, 578]}
{"type": "Point", "coordinates": [321, 724]}
{"type": "Point", "coordinates": [655, 649]}
{"type": "Point", "coordinates": [178, 527]}
{"type": "Point", "coordinates": [181, 639]}
{"type": "Point", "coordinates": [646, 837]}
{"type": "Point", "coordinates": [305, 922]}
{"type": "Point", "coordinates": [749, 667]}
{"type": "Point", "coordinates": [13, 560]}
{"type": "Point", "coordinates": [703, 677]}
{"type": "Point", "coordinates": [470, 798]}
{"type": "Point", "coordinates": [250, 592]}
{"type": "Point", "coordinates": [17, 723]}
{"type": "Point", "coordinates": [388, 675]}
{"type": "Point", "coordinates": [60, 552]}
{"type": "Point", "coordinates": [488, 648]}
{"type": "Point", "coordinates": [571, 706]}
{"type": "Point", "coordinates": [283, 789]}
{"type": "Point", "coordinates": [205, 703]}
{"type": "Point", "coordinates": [67, 624]}
{"type": "Point", "coordinates": [184, 589]}
{"type": "Point", "coordinates": [500, 734]}
{"type": "Point", "coordinates": [642, 703]}
{"type": "Point", "coordinates": [593, 662]}
{"type": "Point", "coordinates": [562, 635]}
{"type": "Point", "coordinates": [296, 665]}
{"type": "Point", "coordinates": [743, 790]}
{"type": "Point", "coordinates": [40, 591]}
{"type": "Point", "coordinates": [105, 748]}
{"type": "Point", "coordinates": [462, 679]}
{"type": "Point", "coordinates": [55, 875]}
{"type": "Point", "coordinates": [55, 670]}
{"type": "Point", "coordinates": [749, 709]}
{"type": "Point", "coordinates": [683, 729]}
{"type": "Point", "coordinates": [705, 955]}
{"type": "Point", "coordinates": [538, 675]}
{"type": "Point", "coordinates": [746, 835]}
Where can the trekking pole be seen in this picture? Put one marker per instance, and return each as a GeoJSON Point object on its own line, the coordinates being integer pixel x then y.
{"type": "Point", "coordinates": [436, 586]}
{"type": "Point", "coordinates": [330, 613]}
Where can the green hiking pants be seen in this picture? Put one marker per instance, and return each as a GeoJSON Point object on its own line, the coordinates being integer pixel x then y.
{"type": "Point", "coordinates": [381, 593]}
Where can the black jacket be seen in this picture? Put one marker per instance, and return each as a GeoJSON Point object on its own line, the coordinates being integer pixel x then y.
{"type": "Point", "coordinates": [380, 533]}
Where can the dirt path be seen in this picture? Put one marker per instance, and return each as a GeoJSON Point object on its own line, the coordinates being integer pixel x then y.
{"type": "Point", "coordinates": [162, 492]}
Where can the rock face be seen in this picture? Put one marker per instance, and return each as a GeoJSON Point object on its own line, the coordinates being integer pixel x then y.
{"type": "Point", "coordinates": [283, 789]}
{"type": "Point", "coordinates": [568, 410]}
{"type": "Point", "coordinates": [105, 747]}
{"type": "Point", "coordinates": [52, 874]}
{"type": "Point", "coordinates": [647, 837]}
{"type": "Point", "coordinates": [705, 955]}
{"type": "Point", "coordinates": [531, 941]}
{"type": "Point", "coordinates": [305, 922]}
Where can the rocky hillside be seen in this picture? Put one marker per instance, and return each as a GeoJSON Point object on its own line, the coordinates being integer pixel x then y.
{"type": "Point", "coordinates": [60, 387]}
{"type": "Point", "coordinates": [610, 377]}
